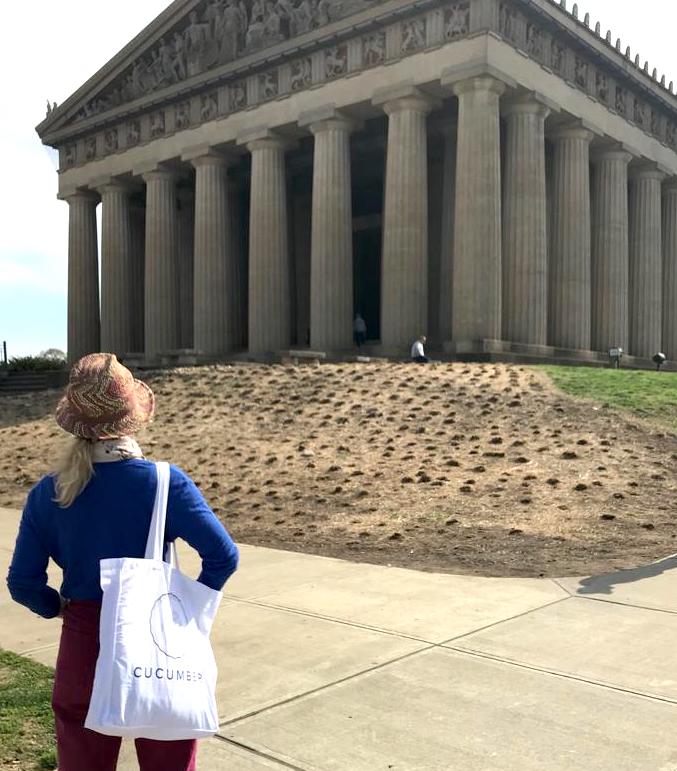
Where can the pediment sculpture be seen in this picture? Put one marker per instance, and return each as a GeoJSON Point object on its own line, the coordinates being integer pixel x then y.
{"type": "Point", "coordinates": [218, 32]}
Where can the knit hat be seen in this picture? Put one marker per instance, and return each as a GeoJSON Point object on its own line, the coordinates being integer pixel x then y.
{"type": "Point", "coordinates": [103, 400]}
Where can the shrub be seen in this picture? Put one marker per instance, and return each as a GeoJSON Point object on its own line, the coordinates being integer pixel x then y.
{"type": "Point", "coordinates": [35, 364]}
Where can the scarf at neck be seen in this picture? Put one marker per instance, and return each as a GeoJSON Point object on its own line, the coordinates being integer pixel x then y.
{"type": "Point", "coordinates": [111, 450]}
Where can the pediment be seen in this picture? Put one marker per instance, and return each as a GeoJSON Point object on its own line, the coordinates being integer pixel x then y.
{"type": "Point", "coordinates": [189, 39]}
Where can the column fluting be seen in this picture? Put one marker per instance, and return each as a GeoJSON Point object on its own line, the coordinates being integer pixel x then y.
{"type": "Point", "coordinates": [447, 230]}
{"type": "Point", "coordinates": [216, 309]}
{"type": "Point", "coordinates": [525, 252]}
{"type": "Point", "coordinates": [331, 260]}
{"type": "Point", "coordinates": [670, 269]}
{"type": "Point", "coordinates": [610, 268]}
{"type": "Point", "coordinates": [646, 262]}
{"type": "Point", "coordinates": [476, 305]}
{"type": "Point", "coordinates": [404, 262]}
{"type": "Point", "coordinates": [570, 241]}
{"type": "Point", "coordinates": [83, 277]}
{"type": "Point", "coordinates": [269, 265]}
{"type": "Point", "coordinates": [162, 323]}
{"type": "Point", "coordinates": [117, 272]}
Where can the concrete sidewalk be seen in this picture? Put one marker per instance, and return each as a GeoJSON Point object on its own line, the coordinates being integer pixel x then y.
{"type": "Point", "coordinates": [328, 665]}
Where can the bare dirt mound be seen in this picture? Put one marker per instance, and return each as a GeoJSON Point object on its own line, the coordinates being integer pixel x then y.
{"type": "Point", "coordinates": [468, 468]}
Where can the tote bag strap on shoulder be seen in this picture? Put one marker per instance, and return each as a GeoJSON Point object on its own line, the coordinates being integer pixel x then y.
{"type": "Point", "coordinates": [156, 533]}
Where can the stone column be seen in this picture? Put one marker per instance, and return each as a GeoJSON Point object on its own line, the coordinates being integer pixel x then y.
{"type": "Point", "coordinates": [186, 225]}
{"type": "Point", "coordinates": [525, 252]}
{"type": "Point", "coordinates": [646, 262]}
{"type": "Point", "coordinates": [476, 305]}
{"type": "Point", "coordinates": [331, 251]}
{"type": "Point", "coordinates": [446, 288]}
{"type": "Point", "coordinates": [610, 251]}
{"type": "Point", "coordinates": [670, 269]}
{"type": "Point", "coordinates": [162, 323]}
{"type": "Point", "coordinates": [217, 327]}
{"type": "Point", "coordinates": [83, 277]}
{"type": "Point", "coordinates": [117, 273]}
{"type": "Point", "coordinates": [404, 262]}
{"type": "Point", "coordinates": [138, 222]}
{"type": "Point", "coordinates": [570, 240]}
{"type": "Point", "coordinates": [269, 280]}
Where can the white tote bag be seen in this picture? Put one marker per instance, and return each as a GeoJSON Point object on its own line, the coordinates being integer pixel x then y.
{"type": "Point", "coordinates": [156, 673]}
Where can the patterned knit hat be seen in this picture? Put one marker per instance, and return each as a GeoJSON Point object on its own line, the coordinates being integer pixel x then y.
{"type": "Point", "coordinates": [103, 400]}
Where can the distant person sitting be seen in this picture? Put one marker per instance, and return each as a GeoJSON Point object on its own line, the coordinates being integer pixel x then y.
{"type": "Point", "coordinates": [360, 330]}
{"type": "Point", "coordinates": [417, 351]}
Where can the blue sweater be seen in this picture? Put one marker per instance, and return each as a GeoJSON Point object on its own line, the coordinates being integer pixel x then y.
{"type": "Point", "coordinates": [110, 518]}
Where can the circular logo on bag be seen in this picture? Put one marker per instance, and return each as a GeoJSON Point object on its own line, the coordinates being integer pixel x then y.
{"type": "Point", "coordinates": [168, 622]}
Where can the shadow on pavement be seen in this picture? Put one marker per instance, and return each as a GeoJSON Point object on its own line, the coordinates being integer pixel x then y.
{"type": "Point", "coordinates": [605, 584]}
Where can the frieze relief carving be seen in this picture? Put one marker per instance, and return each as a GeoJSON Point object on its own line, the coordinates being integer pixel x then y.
{"type": "Point", "coordinates": [133, 133]}
{"type": "Point", "coordinates": [601, 87]}
{"type": "Point", "coordinates": [507, 21]}
{"type": "Point", "coordinates": [534, 41]}
{"type": "Point", "coordinates": [110, 140]}
{"type": "Point", "coordinates": [157, 124]}
{"type": "Point", "coordinates": [620, 100]}
{"type": "Point", "coordinates": [638, 112]}
{"type": "Point", "coordinates": [581, 73]}
{"type": "Point", "coordinates": [413, 35]}
{"type": "Point", "coordinates": [238, 96]}
{"type": "Point", "coordinates": [269, 85]}
{"type": "Point", "coordinates": [90, 148]}
{"type": "Point", "coordinates": [374, 48]}
{"type": "Point", "coordinates": [557, 56]}
{"type": "Point", "coordinates": [301, 74]}
{"type": "Point", "coordinates": [456, 20]}
{"type": "Point", "coordinates": [182, 116]}
{"type": "Point", "coordinates": [218, 32]}
{"type": "Point", "coordinates": [671, 134]}
{"type": "Point", "coordinates": [209, 107]}
{"type": "Point", "coordinates": [336, 61]}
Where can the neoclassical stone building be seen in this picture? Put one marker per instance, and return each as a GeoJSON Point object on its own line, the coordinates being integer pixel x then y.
{"type": "Point", "coordinates": [498, 174]}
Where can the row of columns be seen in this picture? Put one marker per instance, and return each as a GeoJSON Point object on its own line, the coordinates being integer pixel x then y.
{"type": "Point", "coordinates": [581, 279]}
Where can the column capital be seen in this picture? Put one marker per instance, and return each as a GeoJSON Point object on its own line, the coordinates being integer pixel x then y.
{"type": "Point", "coordinates": [530, 103]}
{"type": "Point", "coordinates": [152, 172]}
{"type": "Point", "coordinates": [479, 83]}
{"type": "Point", "coordinates": [262, 137]}
{"type": "Point", "coordinates": [576, 130]}
{"type": "Point", "coordinates": [404, 96]}
{"type": "Point", "coordinates": [670, 186]}
{"type": "Point", "coordinates": [456, 76]}
{"type": "Point", "coordinates": [111, 185]}
{"type": "Point", "coordinates": [615, 153]}
{"type": "Point", "coordinates": [327, 118]}
{"type": "Point", "coordinates": [206, 155]}
{"type": "Point", "coordinates": [80, 196]}
{"type": "Point", "coordinates": [644, 169]}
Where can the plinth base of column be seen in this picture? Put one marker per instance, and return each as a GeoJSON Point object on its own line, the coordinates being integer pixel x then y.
{"type": "Point", "coordinates": [504, 350]}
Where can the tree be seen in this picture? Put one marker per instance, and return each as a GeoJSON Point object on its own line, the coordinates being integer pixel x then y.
{"type": "Point", "coordinates": [54, 354]}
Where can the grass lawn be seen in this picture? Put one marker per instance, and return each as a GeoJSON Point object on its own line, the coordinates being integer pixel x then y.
{"type": "Point", "coordinates": [26, 721]}
{"type": "Point", "coordinates": [650, 395]}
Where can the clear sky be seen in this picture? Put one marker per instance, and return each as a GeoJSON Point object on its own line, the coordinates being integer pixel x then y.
{"type": "Point", "coordinates": [49, 49]}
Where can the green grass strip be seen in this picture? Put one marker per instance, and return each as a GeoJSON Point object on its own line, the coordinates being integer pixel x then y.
{"type": "Point", "coordinates": [26, 719]}
{"type": "Point", "coordinates": [649, 395]}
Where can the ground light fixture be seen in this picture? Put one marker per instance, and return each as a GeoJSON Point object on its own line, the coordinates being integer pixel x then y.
{"type": "Point", "coordinates": [616, 354]}
{"type": "Point", "coordinates": [659, 360]}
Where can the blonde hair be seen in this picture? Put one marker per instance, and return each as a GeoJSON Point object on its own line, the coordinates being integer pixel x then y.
{"type": "Point", "coordinates": [73, 471]}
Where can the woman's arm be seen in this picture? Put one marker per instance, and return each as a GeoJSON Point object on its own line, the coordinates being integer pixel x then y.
{"type": "Point", "coordinates": [27, 577]}
{"type": "Point", "coordinates": [190, 518]}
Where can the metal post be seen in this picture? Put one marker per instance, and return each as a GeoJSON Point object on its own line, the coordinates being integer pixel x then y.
{"type": "Point", "coordinates": [4, 351]}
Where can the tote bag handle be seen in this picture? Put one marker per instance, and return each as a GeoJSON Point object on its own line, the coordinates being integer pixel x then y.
{"type": "Point", "coordinates": [156, 532]}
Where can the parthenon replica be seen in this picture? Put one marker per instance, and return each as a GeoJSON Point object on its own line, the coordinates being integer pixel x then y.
{"type": "Point", "coordinates": [498, 175]}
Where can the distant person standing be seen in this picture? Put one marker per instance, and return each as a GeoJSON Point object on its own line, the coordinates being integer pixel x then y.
{"type": "Point", "coordinates": [418, 352]}
{"type": "Point", "coordinates": [360, 330]}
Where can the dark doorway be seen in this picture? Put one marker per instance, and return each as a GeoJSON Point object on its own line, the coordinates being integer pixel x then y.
{"type": "Point", "coordinates": [368, 170]}
{"type": "Point", "coordinates": [367, 278]}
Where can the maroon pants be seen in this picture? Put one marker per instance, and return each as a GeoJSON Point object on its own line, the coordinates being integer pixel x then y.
{"type": "Point", "coordinates": [80, 749]}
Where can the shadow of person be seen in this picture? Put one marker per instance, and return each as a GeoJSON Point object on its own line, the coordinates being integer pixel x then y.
{"type": "Point", "coordinates": [605, 584]}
